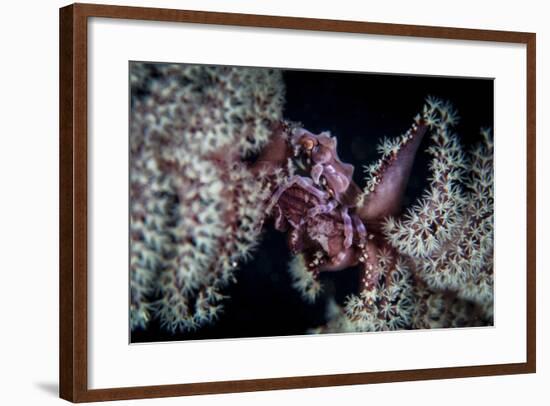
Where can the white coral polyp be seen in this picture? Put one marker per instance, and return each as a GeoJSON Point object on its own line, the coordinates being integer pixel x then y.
{"type": "Point", "coordinates": [190, 125]}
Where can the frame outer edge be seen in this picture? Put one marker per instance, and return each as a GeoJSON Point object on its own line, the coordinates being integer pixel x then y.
{"type": "Point", "coordinates": [531, 204]}
{"type": "Point", "coordinates": [80, 208]}
{"type": "Point", "coordinates": [73, 362]}
{"type": "Point", "coordinates": [66, 297]}
{"type": "Point", "coordinates": [73, 340]}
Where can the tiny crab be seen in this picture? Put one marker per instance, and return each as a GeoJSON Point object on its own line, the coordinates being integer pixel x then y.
{"type": "Point", "coordinates": [327, 216]}
{"type": "Point", "coordinates": [319, 202]}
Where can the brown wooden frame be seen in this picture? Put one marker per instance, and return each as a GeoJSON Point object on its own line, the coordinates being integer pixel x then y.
{"type": "Point", "coordinates": [73, 361]}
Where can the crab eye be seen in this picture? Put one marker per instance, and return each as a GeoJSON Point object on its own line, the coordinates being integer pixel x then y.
{"type": "Point", "coordinates": [308, 144]}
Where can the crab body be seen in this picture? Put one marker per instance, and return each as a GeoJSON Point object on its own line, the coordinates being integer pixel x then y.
{"type": "Point", "coordinates": [326, 215]}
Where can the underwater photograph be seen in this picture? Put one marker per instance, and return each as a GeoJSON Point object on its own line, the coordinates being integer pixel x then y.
{"type": "Point", "coordinates": [273, 202]}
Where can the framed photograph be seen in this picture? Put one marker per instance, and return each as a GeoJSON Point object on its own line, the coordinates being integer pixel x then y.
{"type": "Point", "coordinates": [255, 202]}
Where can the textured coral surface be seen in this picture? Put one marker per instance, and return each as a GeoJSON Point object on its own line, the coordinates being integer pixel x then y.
{"type": "Point", "coordinates": [394, 195]}
{"type": "Point", "coordinates": [195, 209]}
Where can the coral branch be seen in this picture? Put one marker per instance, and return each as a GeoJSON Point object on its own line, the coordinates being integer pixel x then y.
{"type": "Point", "coordinates": [449, 234]}
{"type": "Point", "coordinates": [196, 208]}
{"type": "Point", "coordinates": [388, 177]}
{"type": "Point", "coordinates": [432, 267]}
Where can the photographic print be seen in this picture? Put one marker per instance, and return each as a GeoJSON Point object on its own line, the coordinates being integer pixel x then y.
{"type": "Point", "coordinates": [274, 202]}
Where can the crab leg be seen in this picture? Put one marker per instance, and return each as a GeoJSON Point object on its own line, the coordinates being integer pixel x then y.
{"type": "Point", "coordinates": [322, 208]}
{"type": "Point", "coordinates": [348, 228]}
{"type": "Point", "coordinates": [304, 183]}
{"type": "Point", "coordinates": [316, 172]}
{"type": "Point", "coordinates": [360, 228]}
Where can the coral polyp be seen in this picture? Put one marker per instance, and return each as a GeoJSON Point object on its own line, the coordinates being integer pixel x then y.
{"type": "Point", "coordinates": [215, 164]}
{"type": "Point", "coordinates": [431, 266]}
{"type": "Point", "coordinates": [196, 210]}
